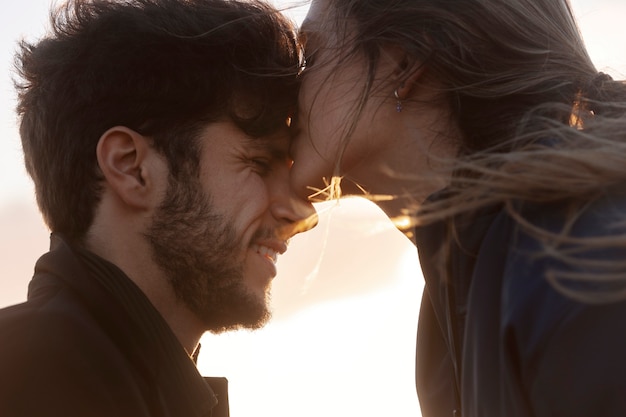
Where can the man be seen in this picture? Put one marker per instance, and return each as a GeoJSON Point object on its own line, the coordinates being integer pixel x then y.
{"type": "Point", "coordinates": [155, 133]}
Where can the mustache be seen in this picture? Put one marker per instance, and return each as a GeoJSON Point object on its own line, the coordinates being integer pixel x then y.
{"type": "Point", "coordinates": [287, 231]}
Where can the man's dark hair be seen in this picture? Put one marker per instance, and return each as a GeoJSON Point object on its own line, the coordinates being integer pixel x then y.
{"type": "Point", "coordinates": [164, 68]}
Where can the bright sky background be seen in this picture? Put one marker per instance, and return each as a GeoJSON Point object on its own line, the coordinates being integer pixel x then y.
{"type": "Point", "coordinates": [347, 295]}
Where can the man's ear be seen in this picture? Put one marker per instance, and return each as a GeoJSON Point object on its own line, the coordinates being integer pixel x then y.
{"type": "Point", "coordinates": [123, 157]}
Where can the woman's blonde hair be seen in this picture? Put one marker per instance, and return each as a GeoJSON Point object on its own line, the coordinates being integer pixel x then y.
{"type": "Point", "coordinates": [538, 122]}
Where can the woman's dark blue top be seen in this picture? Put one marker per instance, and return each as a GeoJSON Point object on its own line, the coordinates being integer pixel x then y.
{"type": "Point", "coordinates": [511, 332]}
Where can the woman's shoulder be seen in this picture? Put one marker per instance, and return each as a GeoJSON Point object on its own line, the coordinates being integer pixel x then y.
{"type": "Point", "coordinates": [565, 257]}
{"type": "Point", "coordinates": [588, 216]}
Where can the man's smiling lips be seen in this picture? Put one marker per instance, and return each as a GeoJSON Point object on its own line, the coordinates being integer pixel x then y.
{"type": "Point", "coordinates": [270, 249]}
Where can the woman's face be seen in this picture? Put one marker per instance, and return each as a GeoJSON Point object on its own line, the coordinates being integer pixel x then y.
{"type": "Point", "coordinates": [382, 152]}
{"type": "Point", "coordinates": [329, 97]}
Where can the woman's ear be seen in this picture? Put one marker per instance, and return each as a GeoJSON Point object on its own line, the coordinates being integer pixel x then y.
{"type": "Point", "coordinates": [409, 78]}
{"type": "Point", "coordinates": [406, 71]}
{"type": "Point", "coordinates": [122, 156]}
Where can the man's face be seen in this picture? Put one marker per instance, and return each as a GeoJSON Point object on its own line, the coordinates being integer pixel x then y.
{"type": "Point", "coordinates": [217, 236]}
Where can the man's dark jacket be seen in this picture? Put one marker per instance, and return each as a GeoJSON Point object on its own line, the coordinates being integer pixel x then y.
{"type": "Point", "coordinates": [89, 343]}
{"type": "Point", "coordinates": [499, 340]}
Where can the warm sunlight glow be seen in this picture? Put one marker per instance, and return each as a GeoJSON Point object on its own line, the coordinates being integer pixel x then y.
{"type": "Point", "coordinates": [346, 298]}
{"type": "Point", "coordinates": [402, 222]}
{"type": "Point", "coordinates": [331, 191]}
{"type": "Point", "coordinates": [345, 313]}
{"type": "Point", "coordinates": [299, 227]}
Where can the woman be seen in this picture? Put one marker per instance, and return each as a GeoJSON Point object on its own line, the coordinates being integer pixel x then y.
{"type": "Point", "coordinates": [484, 130]}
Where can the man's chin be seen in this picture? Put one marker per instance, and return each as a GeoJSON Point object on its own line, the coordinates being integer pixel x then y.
{"type": "Point", "coordinates": [249, 311]}
{"type": "Point", "coordinates": [253, 323]}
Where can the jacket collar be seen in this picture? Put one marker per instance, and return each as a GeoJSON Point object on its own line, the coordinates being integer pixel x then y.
{"type": "Point", "coordinates": [129, 318]}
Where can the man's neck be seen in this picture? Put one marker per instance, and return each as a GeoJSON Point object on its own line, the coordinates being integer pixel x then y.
{"type": "Point", "coordinates": [134, 260]}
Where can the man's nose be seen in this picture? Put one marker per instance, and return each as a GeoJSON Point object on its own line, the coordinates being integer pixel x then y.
{"type": "Point", "coordinates": [296, 214]}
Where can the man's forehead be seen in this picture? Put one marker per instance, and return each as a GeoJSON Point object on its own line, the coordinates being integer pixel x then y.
{"type": "Point", "coordinates": [227, 132]}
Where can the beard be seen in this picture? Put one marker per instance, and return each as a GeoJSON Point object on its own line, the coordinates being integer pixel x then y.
{"type": "Point", "coordinates": [197, 249]}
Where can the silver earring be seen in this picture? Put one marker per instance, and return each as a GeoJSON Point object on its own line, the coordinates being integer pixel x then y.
{"type": "Point", "coordinates": [398, 102]}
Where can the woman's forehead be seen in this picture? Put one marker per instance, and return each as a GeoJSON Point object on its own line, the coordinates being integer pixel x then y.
{"type": "Point", "coordinates": [321, 28]}
{"type": "Point", "coordinates": [319, 16]}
